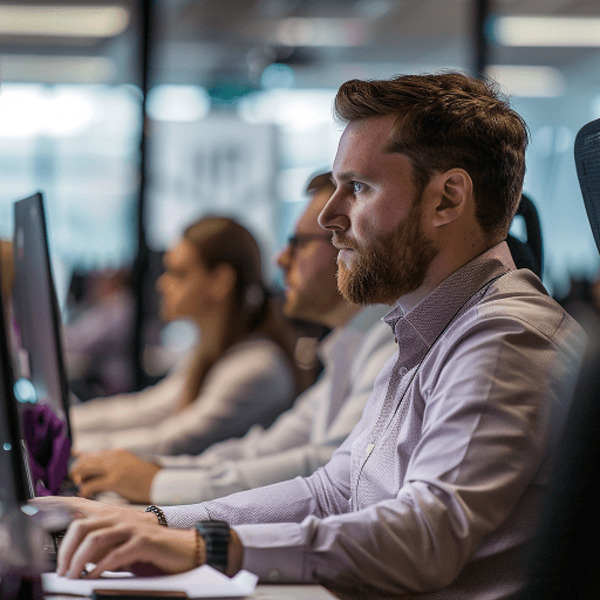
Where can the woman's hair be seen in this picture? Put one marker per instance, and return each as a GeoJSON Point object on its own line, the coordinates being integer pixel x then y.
{"type": "Point", "coordinates": [7, 268]}
{"type": "Point", "coordinates": [450, 120]}
{"type": "Point", "coordinates": [252, 309]}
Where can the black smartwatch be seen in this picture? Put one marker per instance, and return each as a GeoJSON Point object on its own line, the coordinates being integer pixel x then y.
{"type": "Point", "coordinates": [216, 537]}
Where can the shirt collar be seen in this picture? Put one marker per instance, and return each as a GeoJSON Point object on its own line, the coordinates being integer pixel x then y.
{"type": "Point", "coordinates": [418, 329]}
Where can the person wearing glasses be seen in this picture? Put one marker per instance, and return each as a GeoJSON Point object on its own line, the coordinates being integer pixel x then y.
{"type": "Point", "coordinates": [304, 437]}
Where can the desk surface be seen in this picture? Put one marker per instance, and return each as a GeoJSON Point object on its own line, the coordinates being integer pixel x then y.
{"type": "Point", "coordinates": [262, 592]}
{"type": "Point", "coordinates": [291, 592]}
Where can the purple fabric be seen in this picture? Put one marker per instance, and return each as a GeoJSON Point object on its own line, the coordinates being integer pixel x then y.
{"type": "Point", "coordinates": [48, 447]}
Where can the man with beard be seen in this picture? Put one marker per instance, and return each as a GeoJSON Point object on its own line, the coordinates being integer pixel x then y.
{"type": "Point", "coordinates": [434, 494]}
{"type": "Point", "coordinates": [304, 437]}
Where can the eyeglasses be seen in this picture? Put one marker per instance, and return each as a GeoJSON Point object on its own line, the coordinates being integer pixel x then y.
{"type": "Point", "coordinates": [301, 239]}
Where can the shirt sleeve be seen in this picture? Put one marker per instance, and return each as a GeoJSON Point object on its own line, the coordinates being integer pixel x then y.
{"type": "Point", "coordinates": [291, 500]}
{"type": "Point", "coordinates": [259, 458]}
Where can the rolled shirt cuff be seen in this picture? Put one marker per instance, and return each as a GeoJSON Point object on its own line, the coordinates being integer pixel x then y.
{"type": "Point", "coordinates": [275, 552]}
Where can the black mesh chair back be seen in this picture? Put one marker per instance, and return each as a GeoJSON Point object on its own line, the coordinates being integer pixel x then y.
{"type": "Point", "coordinates": [528, 254]}
{"type": "Point", "coordinates": [565, 562]}
{"type": "Point", "coordinates": [587, 161]}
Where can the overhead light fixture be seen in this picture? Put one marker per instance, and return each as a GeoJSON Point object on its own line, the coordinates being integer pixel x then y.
{"type": "Point", "coordinates": [63, 20]}
{"type": "Point", "coordinates": [540, 31]}
{"type": "Point", "coordinates": [325, 31]}
{"type": "Point", "coordinates": [57, 69]}
{"type": "Point", "coordinates": [529, 80]}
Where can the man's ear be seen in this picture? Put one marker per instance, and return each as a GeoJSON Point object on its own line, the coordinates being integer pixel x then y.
{"type": "Point", "coordinates": [453, 191]}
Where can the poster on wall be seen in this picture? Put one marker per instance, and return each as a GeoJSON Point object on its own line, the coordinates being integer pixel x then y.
{"type": "Point", "coordinates": [217, 165]}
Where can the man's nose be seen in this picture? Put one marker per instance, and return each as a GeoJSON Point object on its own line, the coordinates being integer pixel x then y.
{"type": "Point", "coordinates": [333, 217]}
{"type": "Point", "coordinates": [284, 258]}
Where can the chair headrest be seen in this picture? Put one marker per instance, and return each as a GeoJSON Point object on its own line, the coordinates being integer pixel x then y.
{"type": "Point", "coordinates": [528, 254]}
{"type": "Point", "coordinates": [587, 161]}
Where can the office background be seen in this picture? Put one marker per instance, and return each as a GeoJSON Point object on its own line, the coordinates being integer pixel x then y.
{"type": "Point", "coordinates": [237, 96]}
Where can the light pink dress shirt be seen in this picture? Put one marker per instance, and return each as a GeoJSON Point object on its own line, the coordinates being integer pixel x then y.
{"type": "Point", "coordinates": [436, 492]}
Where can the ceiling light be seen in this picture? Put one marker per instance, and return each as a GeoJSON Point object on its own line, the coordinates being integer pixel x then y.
{"type": "Point", "coordinates": [546, 31]}
{"type": "Point", "coordinates": [57, 69]}
{"type": "Point", "coordinates": [63, 20]}
{"type": "Point", "coordinates": [528, 80]}
{"type": "Point", "coordinates": [300, 31]}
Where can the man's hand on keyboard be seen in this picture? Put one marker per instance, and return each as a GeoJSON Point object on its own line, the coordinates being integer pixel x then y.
{"type": "Point", "coordinates": [113, 543]}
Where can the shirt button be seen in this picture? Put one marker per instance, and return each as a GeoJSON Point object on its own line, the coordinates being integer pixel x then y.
{"type": "Point", "coordinates": [273, 575]}
{"type": "Point", "coordinates": [403, 371]}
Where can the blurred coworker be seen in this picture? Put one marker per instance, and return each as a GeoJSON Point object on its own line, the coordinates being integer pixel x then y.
{"type": "Point", "coordinates": [98, 340]}
{"type": "Point", "coordinates": [304, 437]}
{"type": "Point", "coordinates": [241, 372]}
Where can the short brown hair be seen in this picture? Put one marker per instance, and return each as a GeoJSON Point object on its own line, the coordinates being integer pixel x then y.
{"type": "Point", "coordinates": [449, 120]}
{"type": "Point", "coordinates": [320, 181]}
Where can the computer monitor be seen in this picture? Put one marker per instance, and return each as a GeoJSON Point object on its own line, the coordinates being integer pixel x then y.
{"type": "Point", "coordinates": [37, 315]}
{"type": "Point", "coordinates": [13, 482]}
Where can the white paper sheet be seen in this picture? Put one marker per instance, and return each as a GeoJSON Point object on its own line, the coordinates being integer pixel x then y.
{"type": "Point", "coordinates": [203, 582]}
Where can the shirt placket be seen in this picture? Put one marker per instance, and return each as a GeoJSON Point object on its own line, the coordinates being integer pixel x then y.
{"type": "Point", "coordinates": [400, 380]}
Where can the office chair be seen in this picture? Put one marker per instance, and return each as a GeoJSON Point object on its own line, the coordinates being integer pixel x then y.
{"type": "Point", "coordinates": [566, 559]}
{"type": "Point", "coordinates": [528, 254]}
{"type": "Point", "coordinates": [587, 161]}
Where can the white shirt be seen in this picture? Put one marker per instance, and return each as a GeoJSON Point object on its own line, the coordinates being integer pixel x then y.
{"type": "Point", "coordinates": [251, 383]}
{"type": "Point", "coordinates": [303, 438]}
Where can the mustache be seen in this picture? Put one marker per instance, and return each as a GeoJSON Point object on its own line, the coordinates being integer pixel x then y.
{"type": "Point", "coordinates": [340, 240]}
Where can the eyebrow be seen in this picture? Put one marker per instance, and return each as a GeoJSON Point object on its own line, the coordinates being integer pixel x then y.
{"type": "Point", "coordinates": [351, 176]}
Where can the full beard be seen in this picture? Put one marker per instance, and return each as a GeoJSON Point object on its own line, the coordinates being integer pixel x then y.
{"type": "Point", "coordinates": [395, 264]}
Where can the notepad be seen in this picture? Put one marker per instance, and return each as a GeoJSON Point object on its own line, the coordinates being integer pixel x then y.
{"type": "Point", "coordinates": [203, 582]}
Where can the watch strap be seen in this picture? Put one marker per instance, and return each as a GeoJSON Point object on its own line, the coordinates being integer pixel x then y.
{"type": "Point", "coordinates": [216, 536]}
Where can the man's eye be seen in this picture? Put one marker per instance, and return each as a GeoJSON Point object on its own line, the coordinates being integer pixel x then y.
{"type": "Point", "coordinates": [357, 187]}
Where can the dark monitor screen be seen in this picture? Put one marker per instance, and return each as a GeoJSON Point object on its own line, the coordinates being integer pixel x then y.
{"type": "Point", "coordinates": [36, 311]}
{"type": "Point", "coordinates": [13, 487]}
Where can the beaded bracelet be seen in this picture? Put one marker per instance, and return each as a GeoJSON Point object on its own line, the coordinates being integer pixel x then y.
{"type": "Point", "coordinates": [160, 515]}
